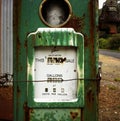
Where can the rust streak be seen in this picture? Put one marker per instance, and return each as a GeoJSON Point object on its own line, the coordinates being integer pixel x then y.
{"type": "Point", "coordinates": [90, 99]}
{"type": "Point", "coordinates": [76, 22]}
{"type": "Point", "coordinates": [92, 10]}
{"type": "Point", "coordinates": [18, 91]}
{"type": "Point", "coordinates": [73, 115]}
{"type": "Point", "coordinates": [27, 111]}
{"type": "Point", "coordinates": [16, 26]}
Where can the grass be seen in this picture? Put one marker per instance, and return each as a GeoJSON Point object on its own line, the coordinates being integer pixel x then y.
{"type": "Point", "coordinates": [117, 79]}
{"type": "Point", "coordinates": [111, 87]}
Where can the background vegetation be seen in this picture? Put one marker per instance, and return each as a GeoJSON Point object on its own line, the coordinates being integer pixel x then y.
{"type": "Point", "coordinates": [111, 42]}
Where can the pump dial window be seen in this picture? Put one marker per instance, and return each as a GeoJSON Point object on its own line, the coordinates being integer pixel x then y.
{"type": "Point", "coordinates": [55, 13]}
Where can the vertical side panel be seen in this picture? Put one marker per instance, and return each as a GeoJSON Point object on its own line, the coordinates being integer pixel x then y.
{"type": "Point", "coordinates": [19, 63]}
{"type": "Point", "coordinates": [7, 36]}
{"type": "Point", "coordinates": [90, 112]}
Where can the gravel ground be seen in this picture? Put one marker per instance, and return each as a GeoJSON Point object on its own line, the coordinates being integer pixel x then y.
{"type": "Point", "coordinates": [109, 98]}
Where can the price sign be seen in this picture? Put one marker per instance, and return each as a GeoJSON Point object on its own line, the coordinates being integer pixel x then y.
{"type": "Point", "coordinates": [55, 74]}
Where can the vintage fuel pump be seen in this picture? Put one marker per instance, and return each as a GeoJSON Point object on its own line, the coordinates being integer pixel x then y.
{"type": "Point", "coordinates": [55, 60]}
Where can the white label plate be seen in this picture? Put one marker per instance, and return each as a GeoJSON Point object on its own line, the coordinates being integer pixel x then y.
{"type": "Point", "coordinates": [55, 69]}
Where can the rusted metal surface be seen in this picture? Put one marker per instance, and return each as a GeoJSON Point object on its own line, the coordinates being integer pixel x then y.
{"type": "Point", "coordinates": [73, 115]}
{"type": "Point", "coordinates": [27, 112]}
{"type": "Point", "coordinates": [19, 57]}
{"type": "Point", "coordinates": [56, 114]}
{"type": "Point", "coordinates": [92, 36]}
{"type": "Point", "coordinates": [75, 22]}
{"type": "Point", "coordinates": [6, 103]}
{"type": "Point", "coordinates": [91, 52]}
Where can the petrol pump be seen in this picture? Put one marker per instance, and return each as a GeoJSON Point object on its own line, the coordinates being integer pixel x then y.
{"type": "Point", "coordinates": [55, 60]}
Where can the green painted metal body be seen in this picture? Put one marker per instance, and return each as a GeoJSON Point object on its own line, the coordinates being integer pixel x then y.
{"type": "Point", "coordinates": [56, 115]}
{"type": "Point", "coordinates": [26, 21]}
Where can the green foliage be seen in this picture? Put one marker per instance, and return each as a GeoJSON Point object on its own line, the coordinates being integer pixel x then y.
{"type": "Point", "coordinates": [103, 43]}
{"type": "Point", "coordinates": [117, 79]}
{"type": "Point", "coordinates": [111, 87]}
{"type": "Point", "coordinates": [112, 42]}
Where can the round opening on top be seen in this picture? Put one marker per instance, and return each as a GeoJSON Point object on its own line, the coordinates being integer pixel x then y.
{"type": "Point", "coordinates": [55, 13]}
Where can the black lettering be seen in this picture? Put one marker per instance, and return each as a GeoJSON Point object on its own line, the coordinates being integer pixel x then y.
{"type": "Point", "coordinates": [55, 60]}
{"type": "Point", "coordinates": [54, 80]}
{"type": "Point", "coordinates": [49, 60]}
{"type": "Point", "coordinates": [63, 60]}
